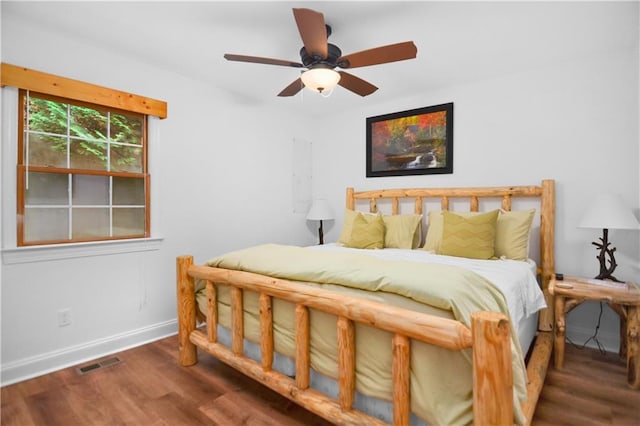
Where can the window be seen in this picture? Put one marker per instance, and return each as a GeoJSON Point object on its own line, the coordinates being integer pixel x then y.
{"type": "Point", "coordinates": [82, 172]}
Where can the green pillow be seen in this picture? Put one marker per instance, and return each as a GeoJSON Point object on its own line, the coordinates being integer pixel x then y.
{"type": "Point", "coordinates": [402, 231]}
{"type": "Point", "coordinates": [472, 237]}
{"type": "Point", "coordinates": [347, 225]}
{"type": "Point", "coordinates": [367, 234]}
{"type": "Point", "coordinates": [512, 234]}
{"type": "Point", "coordinates": [434, 231]}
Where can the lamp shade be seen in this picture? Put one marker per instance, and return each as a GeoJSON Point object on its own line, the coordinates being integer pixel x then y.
{"type": "Point", "coordinates": [608, 211]}
{"type": "Point", "coordinates": [320, 79]}
{"type": "Point", "coordinates": [320, 210]}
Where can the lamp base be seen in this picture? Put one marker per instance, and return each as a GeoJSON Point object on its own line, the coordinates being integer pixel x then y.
{"type": "Point", "coordinates": [606, 254]}
{"type": "Point", "coordinates": [321, 234]}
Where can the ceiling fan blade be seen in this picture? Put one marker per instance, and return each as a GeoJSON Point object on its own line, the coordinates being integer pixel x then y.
{"type": "Point", "coordinates": [356, 84]}
{"type": "Point", "coordinates": [293, 88]}
{"type": "Point", "coordinates": [259, 60]}
{"type": "Point", "coordinates": [379, 55]}
{"type": "Point", "coordinates": [313, 31]}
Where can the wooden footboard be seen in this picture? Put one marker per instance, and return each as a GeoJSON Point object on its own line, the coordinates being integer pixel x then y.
{"type": "Point", "coordinates": [489, 337]}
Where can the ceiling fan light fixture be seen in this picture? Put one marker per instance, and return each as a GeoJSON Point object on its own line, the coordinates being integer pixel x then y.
{"type": "Point", "coordinates": [320, 79]}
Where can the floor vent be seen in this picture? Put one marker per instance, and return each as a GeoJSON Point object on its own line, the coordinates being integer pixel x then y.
{"type": "Point", "coordinates": [108, 362]}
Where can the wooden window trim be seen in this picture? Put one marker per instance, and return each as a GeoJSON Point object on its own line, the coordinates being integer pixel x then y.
{"type": "Point", "coordinates": [37, 81]}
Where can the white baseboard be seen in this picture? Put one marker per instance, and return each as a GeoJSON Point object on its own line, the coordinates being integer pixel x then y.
{"type": "Point", "coordinates": [28, 368]}
{"type": "Point", "coordinates": [579, 335]}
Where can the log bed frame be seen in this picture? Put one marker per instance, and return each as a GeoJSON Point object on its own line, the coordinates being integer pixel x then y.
{"type": "Point", "coordinates": [488, 336]}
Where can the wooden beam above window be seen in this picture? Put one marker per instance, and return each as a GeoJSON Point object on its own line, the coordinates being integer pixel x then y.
{"type": "Point", "coordinates": [25, 78]}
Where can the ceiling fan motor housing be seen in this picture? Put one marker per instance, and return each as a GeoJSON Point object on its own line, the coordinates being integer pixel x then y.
{"type": "Point", "coordinates": [313, 61]}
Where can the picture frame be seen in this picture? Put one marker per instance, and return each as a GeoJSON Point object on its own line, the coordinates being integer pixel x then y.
{"type": "Point", "coordinates": [413, 142]}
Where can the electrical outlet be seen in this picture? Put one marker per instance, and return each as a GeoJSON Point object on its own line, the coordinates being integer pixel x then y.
{"type": "Point", "coordinates": [64, 317]}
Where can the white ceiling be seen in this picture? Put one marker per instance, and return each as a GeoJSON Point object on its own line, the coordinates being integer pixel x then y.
{"type": "Point", "coordinates": [457, 42]}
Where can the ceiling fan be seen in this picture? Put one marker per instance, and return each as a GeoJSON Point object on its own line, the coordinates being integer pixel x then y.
{"type": "Point", "coordinates": [320, 58]}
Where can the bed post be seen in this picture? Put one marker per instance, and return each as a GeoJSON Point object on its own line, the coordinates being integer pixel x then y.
{"type": "Point", "coordinates": [541, 355]}
{"type": "Point", "coordinates": [547, 254]}
{"type": "Point", "coordinates": [186, 311]}
{"type": "Point", "coordinates": [492, 369]}
{"type": "Point", "coordinates": [351, 201]}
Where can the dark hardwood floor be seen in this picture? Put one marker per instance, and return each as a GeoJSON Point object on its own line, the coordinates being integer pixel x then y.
{"type": "Point", "coordinates": [591, 389]}
{"type": "Point", "coordinates": [149, 388]}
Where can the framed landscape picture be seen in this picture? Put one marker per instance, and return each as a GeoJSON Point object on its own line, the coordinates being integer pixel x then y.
{"type": "Point", "coordinates": [413, 142]}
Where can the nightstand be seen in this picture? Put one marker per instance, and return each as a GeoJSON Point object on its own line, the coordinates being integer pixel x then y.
{"type": "Point", "coordinates": [624, 299]}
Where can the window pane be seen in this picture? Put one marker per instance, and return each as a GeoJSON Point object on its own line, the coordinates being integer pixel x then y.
{"type": "Point", "coordinates": [47, 116]}
{"type": "Point", "coordinates": [45, 150]}
{"type": "Point", "coordinates": [128, 191]}
{"type": "Point", "coordinates": [128, 222]}
{"type": "Point", "coordinates": [47, 189]}
{"type": "Point", "coordinates": [126, 158]}
{"type": "Point", "coordinates": [90, 190]}
{"type": "Point", "coordinates": [88, 155]}
{"type": "Point", "coordinates": [46, 224]}
{"type": "Point", "coordinates": [126, 128]}
{"type": "Point", "coordinates": [88, 123]}
{"type": "Point", "coordinates": [90, 223]}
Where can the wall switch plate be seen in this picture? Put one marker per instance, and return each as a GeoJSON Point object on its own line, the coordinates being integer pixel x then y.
{"type": "Point", "coordinates": [64, 317]}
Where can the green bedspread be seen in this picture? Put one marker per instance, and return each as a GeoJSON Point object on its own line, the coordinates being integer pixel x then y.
{"type": "Point", "coordinates": [441, 379]}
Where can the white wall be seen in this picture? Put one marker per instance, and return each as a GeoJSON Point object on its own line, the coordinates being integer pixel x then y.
{"type": "Point", "coordinates": [575, 122]}
{"type": "Point", "coordinates": [223, 172]}
{"type": "Point", "coordinates": [222, 179]}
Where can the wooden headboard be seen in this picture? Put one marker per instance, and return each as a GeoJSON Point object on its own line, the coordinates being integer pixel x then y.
{"type": "Point", "coordinates": [545, 192]}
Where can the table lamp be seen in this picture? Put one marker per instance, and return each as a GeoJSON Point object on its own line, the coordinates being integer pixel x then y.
{"type": "Point", "coordinates": [608, 211]}
{"type": "Point", "coordinates": [320, 210]}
